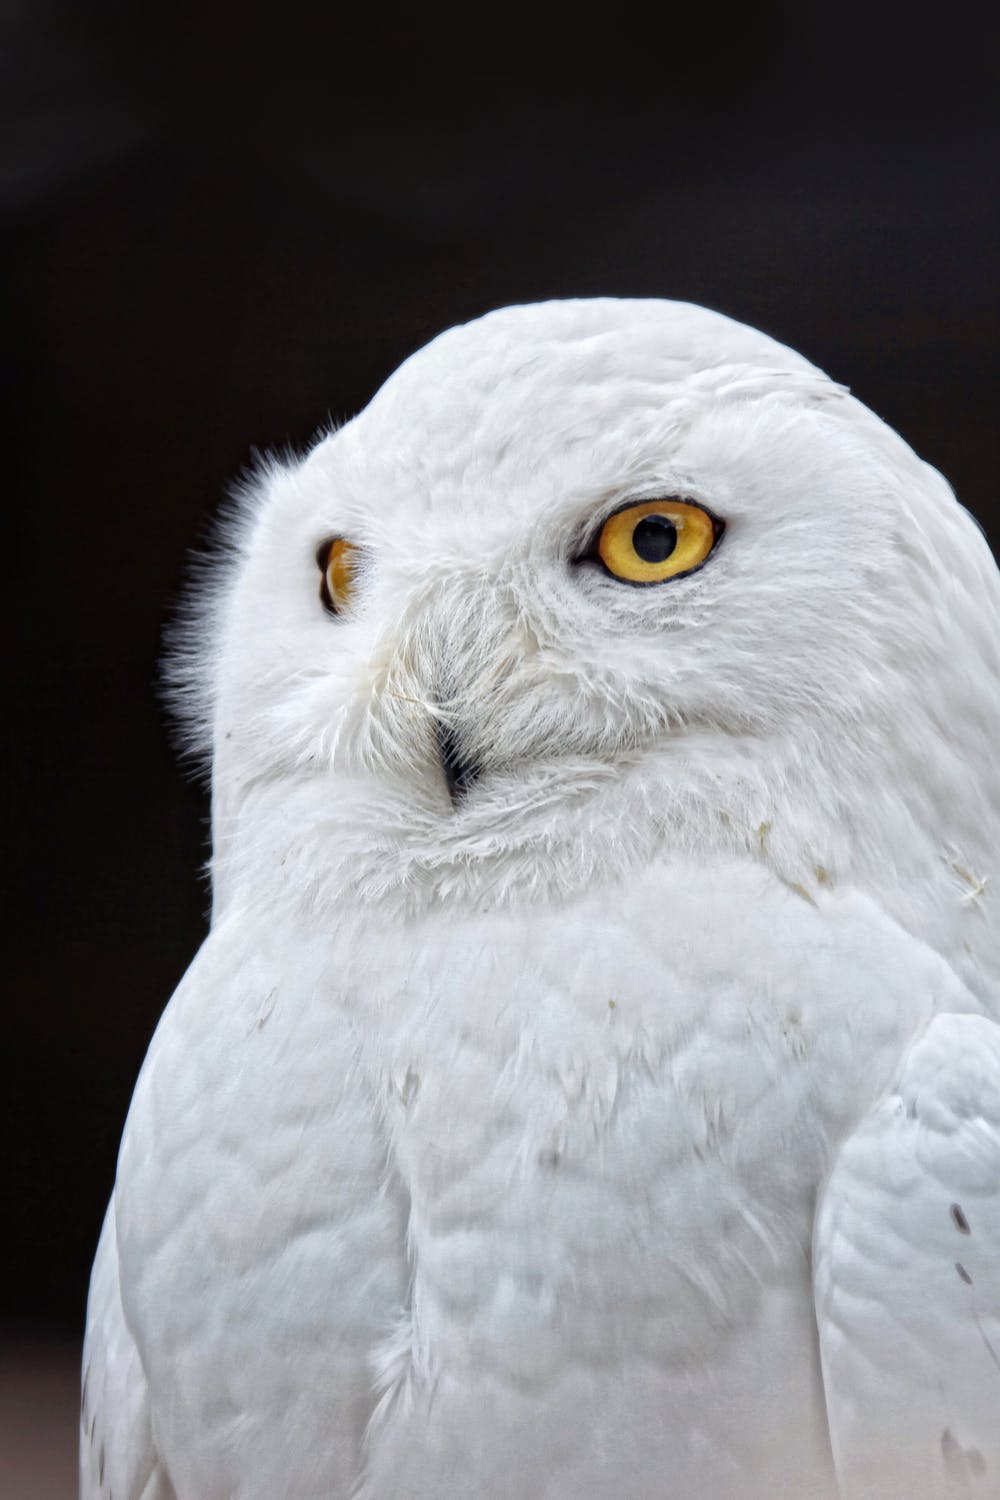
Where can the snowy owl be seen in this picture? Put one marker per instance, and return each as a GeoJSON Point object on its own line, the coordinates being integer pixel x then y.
{"type": "Point", "coordinates": [589, 1088]}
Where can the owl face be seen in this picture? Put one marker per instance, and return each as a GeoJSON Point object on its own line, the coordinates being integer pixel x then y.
{"type": "Point", "coordinates": [573, 538]}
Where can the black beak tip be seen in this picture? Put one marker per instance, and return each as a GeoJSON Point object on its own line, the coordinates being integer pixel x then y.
{"type": "Point", "coordinates": [459, 773]}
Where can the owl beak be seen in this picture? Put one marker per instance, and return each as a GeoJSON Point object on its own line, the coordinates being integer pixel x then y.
{"type": "Point", "coordinates": [459, 773]}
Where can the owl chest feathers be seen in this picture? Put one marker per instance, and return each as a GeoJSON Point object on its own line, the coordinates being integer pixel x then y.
{"type": "Point", "coordinates": [651, 1079]}
{"type": "Point", "coordinates": [503, 1145]}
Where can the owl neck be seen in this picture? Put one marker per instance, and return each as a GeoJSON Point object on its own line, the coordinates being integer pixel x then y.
{"type": "Point", "coordinates": [819, 815]}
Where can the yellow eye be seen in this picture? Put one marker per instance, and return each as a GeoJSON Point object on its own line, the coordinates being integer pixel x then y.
{"type": "Point", "coordinates": [338, 562]}
{"type": "Point", "coordinates": [657, 540]}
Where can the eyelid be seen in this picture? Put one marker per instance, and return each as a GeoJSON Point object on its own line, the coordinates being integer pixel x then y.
{"type": "Point", "coordinates": [678, 498]}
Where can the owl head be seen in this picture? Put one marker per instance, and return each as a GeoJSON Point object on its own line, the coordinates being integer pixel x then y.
{"type": "Point", "coordinates": [587, 580]}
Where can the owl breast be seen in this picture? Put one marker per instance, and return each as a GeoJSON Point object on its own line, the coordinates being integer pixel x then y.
{"type": "Point", "coordinates": [507, 1202]}
{"type": "Point", "coordinates": [610, 1120]}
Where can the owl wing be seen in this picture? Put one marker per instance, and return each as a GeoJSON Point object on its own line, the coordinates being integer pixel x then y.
{"type": "Point", "coordinates": [907, 1277]}
{"type": "Point", "coordinates": [117, 1456]}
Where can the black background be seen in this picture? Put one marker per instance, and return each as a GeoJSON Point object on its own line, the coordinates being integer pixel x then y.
{"type": "Point", "coordinates": [221, 226]}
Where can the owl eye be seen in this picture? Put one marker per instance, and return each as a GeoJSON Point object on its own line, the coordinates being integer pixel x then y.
{"type": "Point", "coordinates": [338, 564]}
{"type": "Point", "coordinates": [656, 540]}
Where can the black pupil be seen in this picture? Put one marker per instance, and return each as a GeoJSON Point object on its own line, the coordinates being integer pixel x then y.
{"type": "Point", "coordinates": [654, 538]}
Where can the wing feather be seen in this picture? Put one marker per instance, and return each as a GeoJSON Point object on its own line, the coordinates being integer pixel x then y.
{"type": "Point", "coordinates": [118, 1460]}
{"type": "Point", "coordinates": [907, 1277]}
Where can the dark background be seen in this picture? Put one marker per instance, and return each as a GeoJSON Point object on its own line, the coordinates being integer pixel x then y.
{"type": "Point", "coordinates": [220, 226]}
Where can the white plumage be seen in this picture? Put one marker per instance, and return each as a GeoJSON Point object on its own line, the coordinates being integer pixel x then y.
{"type": "Point", "coordinates": [626, 1123]}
